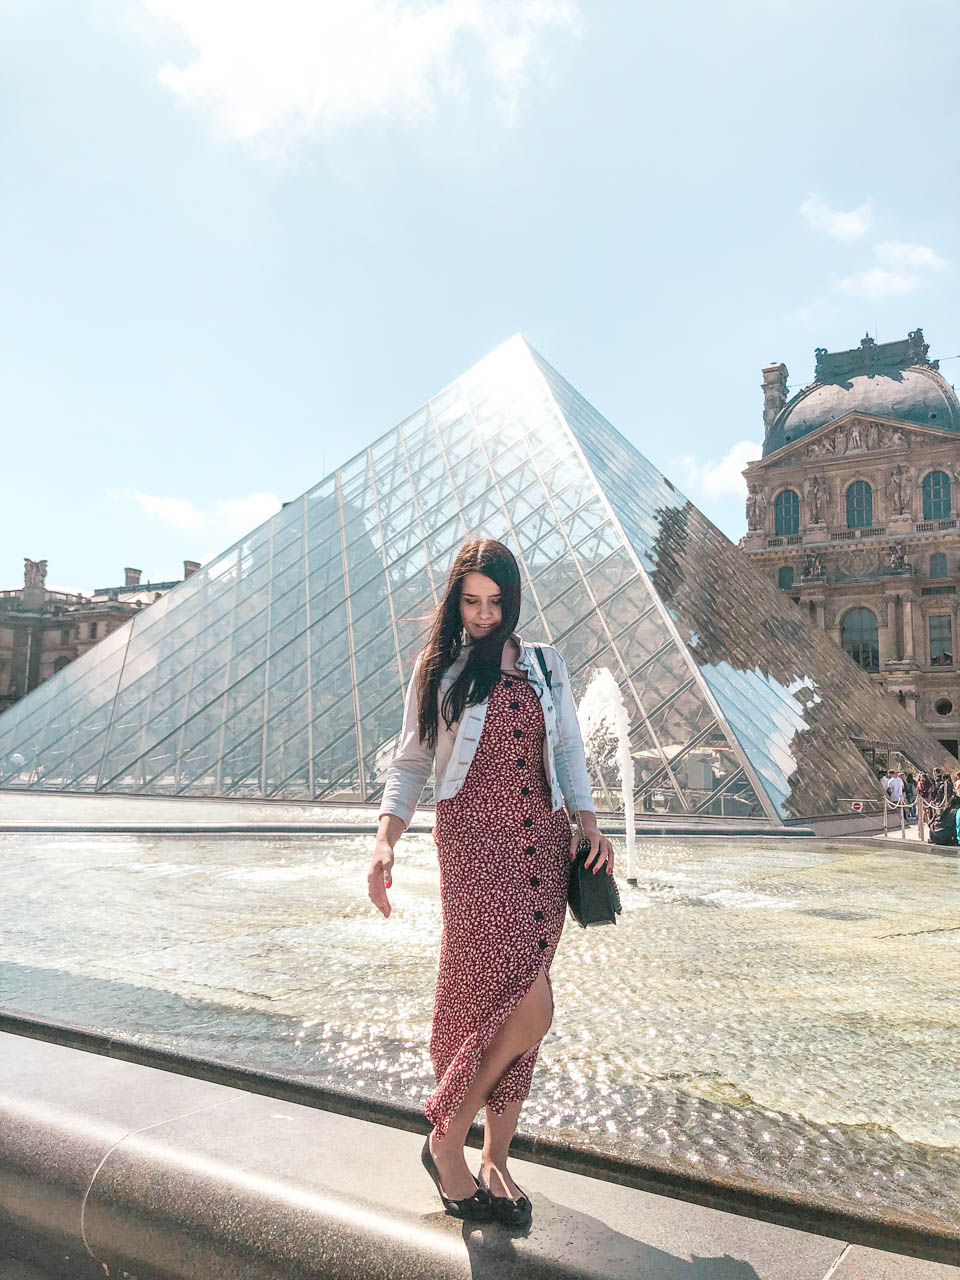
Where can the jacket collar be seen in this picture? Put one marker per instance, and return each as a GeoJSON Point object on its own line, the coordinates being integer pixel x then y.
{"type": "Point", "coordinates": [526, 661]}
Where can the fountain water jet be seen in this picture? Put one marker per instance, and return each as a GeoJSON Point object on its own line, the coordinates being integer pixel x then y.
{"type": "Point", "coordinates": [602, 714]}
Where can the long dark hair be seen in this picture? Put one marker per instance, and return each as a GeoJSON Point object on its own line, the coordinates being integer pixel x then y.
{"type": "Point", "coordinates": [482, 667]}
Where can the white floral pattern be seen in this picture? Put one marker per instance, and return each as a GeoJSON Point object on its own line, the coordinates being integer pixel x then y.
{"type": "Point", "coordinates": [504, 861]}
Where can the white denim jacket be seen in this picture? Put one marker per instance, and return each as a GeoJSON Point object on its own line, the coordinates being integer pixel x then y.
{"type": "Point", "coordinates": [566, 769]}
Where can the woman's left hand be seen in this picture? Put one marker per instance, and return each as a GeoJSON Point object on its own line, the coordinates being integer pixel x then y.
{"type": "Point", "coordinates": [601, 850]}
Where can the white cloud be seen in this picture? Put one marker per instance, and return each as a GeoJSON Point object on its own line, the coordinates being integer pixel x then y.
{"type": "Point", "coordinates": [879, 283]}
{"type": "Point", "coordinates": [723, 478]}
{"type": "Point", "coordinates": [177, 512]}
{"type": "Point", "coordinates": [223, 523]}
{"type": "Point", "coordinates": [243, 514]}
{"type": "Point", "coordinates": [841, 225]}
{"type": "Point", "coordinates": [913, 257]}
{"type": "Point", "coordinates": [285, 69]}
{"type": "Point", "coordinates": [901, 270]}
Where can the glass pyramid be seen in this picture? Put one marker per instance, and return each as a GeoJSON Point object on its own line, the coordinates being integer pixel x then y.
{"type": "Point", "coordinates": [278, 670]}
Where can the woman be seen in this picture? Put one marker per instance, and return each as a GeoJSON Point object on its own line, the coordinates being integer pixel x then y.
{"type": "Point", "coordinates": [507, 753]}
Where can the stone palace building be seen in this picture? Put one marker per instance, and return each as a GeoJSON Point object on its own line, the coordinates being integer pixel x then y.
{"type": "Point", "coordinates": [42, 631]}
{"type": "Point", "coordinates": [852, 509]}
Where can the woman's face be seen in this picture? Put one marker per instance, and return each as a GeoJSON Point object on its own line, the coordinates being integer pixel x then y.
{"type": "Point", "coordinates": [480, 605]}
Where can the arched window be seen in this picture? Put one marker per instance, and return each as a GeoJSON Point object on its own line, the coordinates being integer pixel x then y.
{"type": "Point", "coordinates": [858, 636]}
{"type": "Point", "coordinates": [785, 577]}
{"type": "Point", "coordinates": [786, 512]}
{"type": "Point", "coordinates": [936, 495]}
{"type": "Point", "coordinates": [859, 505]}
{"type": "Point", "coordinates": [938, 565]}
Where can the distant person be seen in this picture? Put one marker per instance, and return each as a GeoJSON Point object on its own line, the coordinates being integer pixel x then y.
{"type": "Point", "coordinates": [910, 796]}
{"type": "Point", "coordinates": [924, 793]}
{"type": "Point", "coordinates": [895, 787]}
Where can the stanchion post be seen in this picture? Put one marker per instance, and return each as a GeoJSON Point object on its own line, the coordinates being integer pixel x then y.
{"type": "Point", "coordinates": [886, 815]}
{"type": "Point", "coordinates": [903, 821]}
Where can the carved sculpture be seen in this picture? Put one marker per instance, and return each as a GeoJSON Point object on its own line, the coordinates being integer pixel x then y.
{"type": "Point", "coordinates": [898, 556]}
{"type": "Point", "coordinates": [898, 489]}
{"type": "Point", "coordinates": [34, 572]}
{"type": "Point", "coordinates": [818, 495]}
{"type": "Point", "coordinates": [756, 507]}
{"type": "Point", "coordinates": [812, 567]}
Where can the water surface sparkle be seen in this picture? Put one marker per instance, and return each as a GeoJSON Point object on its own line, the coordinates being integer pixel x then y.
{"type": "Point", "coordinates": [786, 1012]}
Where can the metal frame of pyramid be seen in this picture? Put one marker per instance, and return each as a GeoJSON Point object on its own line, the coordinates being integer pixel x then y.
{"type": "Point", "coordinates": [278, 669]}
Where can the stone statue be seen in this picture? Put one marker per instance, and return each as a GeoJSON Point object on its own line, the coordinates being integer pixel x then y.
{"type": "Point", "coordinates": [818, 494]}
{"type": "Point", "coordinates": [756, 507]}
{"type": "Point", "coordinates": [898, 490]}
{"type": "Point", "coordinates": [853, 439]}
{"type": "Point", "coordinates": [898, 557]}
{"type": "Point", "coordinates": [873, 435]}
{"type": "Point", "coordinates": [812, 567]}
{"type": "Point", "coordinates": [34, 572]}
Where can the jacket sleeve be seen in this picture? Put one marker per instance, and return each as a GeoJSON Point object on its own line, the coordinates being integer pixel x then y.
{"type": "Point", "coordinates": [571, 759]}
{"type": "Point", "coordinates": [410, 767]}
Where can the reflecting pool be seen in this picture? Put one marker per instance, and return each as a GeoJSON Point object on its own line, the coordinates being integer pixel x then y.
{"type": "Point", "coordinates": [785, 1011]}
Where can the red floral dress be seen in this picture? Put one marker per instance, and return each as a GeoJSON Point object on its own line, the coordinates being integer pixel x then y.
{"type": "Point", "coordinates": [504, 861]}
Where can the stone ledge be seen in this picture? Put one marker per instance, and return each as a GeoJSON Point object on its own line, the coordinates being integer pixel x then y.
{"type": "Point", "coordinates": [165, 1175]}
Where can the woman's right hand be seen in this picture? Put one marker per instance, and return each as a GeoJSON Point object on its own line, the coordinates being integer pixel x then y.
{"type": "Point", "coordinates": [380, 876]}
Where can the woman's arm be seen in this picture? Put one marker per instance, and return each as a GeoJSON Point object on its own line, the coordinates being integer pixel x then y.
{"type": "Point", "coordinates": [406, 775]}
{"type": "Point", "coordinates": [573, 776]}
{"type": "Point", "coordinates": [571, 759]}
{"type": "Point", "coordinates": [410, 767]}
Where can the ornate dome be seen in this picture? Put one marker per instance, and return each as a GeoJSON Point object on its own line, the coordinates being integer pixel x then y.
{"type": "Point", "coordinates": [892, 380]}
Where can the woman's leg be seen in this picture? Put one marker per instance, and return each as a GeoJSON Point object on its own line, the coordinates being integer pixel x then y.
{"type": "Point", "coordinates": [497, 1136]}
{"type": "Point", "coordinates": [524, 1028]}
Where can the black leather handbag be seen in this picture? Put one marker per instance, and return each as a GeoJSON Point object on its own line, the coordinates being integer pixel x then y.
{"type": "Point", "coordinates": [593, 897]}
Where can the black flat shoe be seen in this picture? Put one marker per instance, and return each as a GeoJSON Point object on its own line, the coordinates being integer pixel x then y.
{"type": "Point", "coordinates": [510, 1213]}
{"type": "Point", "coordinates": [475, 1208]}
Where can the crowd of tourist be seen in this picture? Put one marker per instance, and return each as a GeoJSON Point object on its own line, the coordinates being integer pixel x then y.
{"type": "Point", "coordinates": [933, 799]}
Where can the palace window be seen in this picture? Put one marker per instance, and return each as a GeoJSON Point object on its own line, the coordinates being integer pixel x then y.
{"type": "Point", "coordinates": [938, 565]}
{"type": "Point", "coordinates": [786, 512]}
{"type": "Point", "coordinates": [785, 577]}
{"type": "Point", "coordinates": [859, 505]}
{"type": "Point", "coordinates": [65, 636]}
{"type": "Point", "coordinates": [936, 495]}
{"type": "Point", "coordinates": [941, 640]}
{"type": "Point", "coordinates": [93, 631]}
{"type": "Point", "coordinates": [858, 636]}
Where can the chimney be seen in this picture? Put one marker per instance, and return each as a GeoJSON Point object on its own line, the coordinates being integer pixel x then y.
{"type": "Point", "coordinates": [774, 393]}
{"type": "Point", "coordinates": [190, 567]}
{"type": "Point", "coordinates": [131, 577]}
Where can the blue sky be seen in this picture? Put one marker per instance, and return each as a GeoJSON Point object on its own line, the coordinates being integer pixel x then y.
{"type": "Point", "coordinates": [241, 240]}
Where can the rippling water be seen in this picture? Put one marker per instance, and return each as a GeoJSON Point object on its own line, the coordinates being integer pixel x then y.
{"type": "Point", "coordinates": [785, 1012]}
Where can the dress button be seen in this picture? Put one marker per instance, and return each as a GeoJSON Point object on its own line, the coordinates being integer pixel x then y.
{"type": "Point", "coordinates": [514, 706]}
{"type": "Point", "coordinates": [534, 880]}
{"type": "Point", "coordinates": [528, 822]}
{"type": "Point", "coordinates": [524, 791]}
{"type": "Point", "coordinates": [542, 944]}
{"type": "Point", "coordinates": [538, 915]}
{"type": "Point", "coordinates": [518, 733]}
{"type": "Point", "coordinates": [520, 762]}
{"type": "Point", "coordinates": [530, 849]}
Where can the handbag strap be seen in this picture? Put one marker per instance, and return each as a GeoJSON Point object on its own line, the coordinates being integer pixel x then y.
{"type": "Point", "coordinates": [614, 887]}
